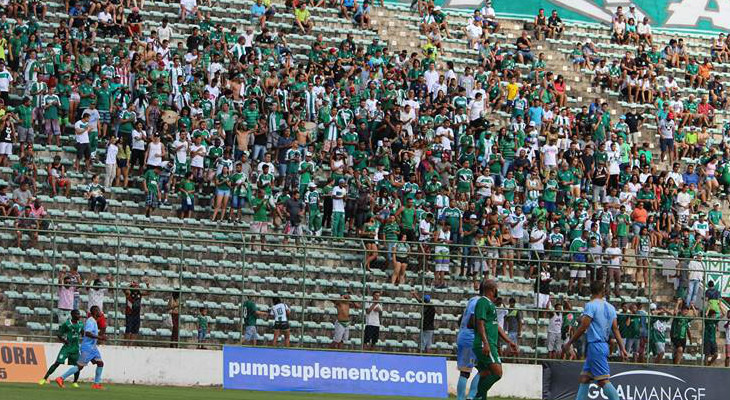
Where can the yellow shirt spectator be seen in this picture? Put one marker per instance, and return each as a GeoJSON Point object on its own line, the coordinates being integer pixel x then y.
{"type": "Point", "coordinates": [512, 90]}
{"type": "Point", "coordinates": [301, 14]}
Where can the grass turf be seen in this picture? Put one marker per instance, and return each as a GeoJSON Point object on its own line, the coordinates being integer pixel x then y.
{"type": "Point", "coordinates": [20, 391]}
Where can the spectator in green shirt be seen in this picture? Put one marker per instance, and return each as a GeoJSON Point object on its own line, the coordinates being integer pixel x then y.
{"type": "Point", "coordinates": [709, 338]}
{"type": "Point", "coordinates": [187, 196]}
{"type": "Point", "coordinates": [151, 186]}
{"type": "Point", "coordinates": [261, 209]}
{"type": "Point", "coordinates": [680, 333]}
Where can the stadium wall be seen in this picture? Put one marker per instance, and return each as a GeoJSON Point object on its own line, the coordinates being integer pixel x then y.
{"type": "Point", "coordinates": [681, 15]}
{"type": "Point", "coordinates": [154, 366]}
{"type": "Point", "coordinates": [181, 367]}
{"type": "Point", "coordinates": [518, 380]}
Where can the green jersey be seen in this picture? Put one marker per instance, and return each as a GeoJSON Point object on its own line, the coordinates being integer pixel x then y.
{"type": "Point", "coordinates": [153, 181]}
{"type": "Point", "coordinates": [391, 231]}
{"type": "Point", "coordinates": [680, 327]}
{"type": "Point", "coordinates": [658, 329]}
{"type": "Point", "coordinates": [485, 311]}
{"type": "Point", "coordinates": [710, 333]}
{"type": "Point", "coordinates": [249, 313]}
{"type": "Point", "coordinates": [71, 333]}
{"type": "Point", "coordinates": [464, 177]}
{"type": "Point", "coordinates": [261, 209]}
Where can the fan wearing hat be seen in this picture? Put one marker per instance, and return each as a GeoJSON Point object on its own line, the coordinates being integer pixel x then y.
{"type": "Point", "coordinates": [312, 199]}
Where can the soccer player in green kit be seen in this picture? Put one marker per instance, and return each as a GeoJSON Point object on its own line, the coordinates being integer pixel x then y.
{"type": "Point", "coordinates": [486, 335]}
{"type": "Point", "coordinates": [69, 333]}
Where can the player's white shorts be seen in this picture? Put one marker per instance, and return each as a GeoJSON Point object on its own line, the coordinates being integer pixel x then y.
{"type": "Point", "coordinates": [342, 333]}
{"type": "Point", "coordinates": [88, 355]}
{"type": "Point", "coordinates": [6, 149]}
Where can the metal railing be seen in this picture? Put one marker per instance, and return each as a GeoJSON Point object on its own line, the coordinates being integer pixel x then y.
{"type": "Point", "coordinates": [243, 271]}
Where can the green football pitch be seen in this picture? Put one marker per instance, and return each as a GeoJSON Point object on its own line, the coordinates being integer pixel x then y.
{"type": "Point", "coordinates": [13, 391]}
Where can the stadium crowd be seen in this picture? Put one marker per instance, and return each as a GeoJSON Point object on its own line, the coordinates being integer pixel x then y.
{"type": "Point", "coordinates": [362, 141]}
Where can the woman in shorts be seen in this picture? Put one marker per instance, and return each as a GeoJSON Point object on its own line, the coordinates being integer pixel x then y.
{"type": "Point", "coordinates": [642, 246]}
{"type": "Point", "coordinates": [222, 194]}
{"type": "Point", "coordinates": [507, 253]}
{"type": "Point", "coordinates": [494, 241]}
{"type": "Point", "coordinates": [443, 238]}
{"type": "Point", "coordinates": [123, 156]}
{"type": "Point", "coordinates": [400, 264]}
{"type": "Point", "coordinates": [370, 232]}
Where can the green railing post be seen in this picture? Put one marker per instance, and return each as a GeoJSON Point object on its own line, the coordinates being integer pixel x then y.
{"type": "Point", "coordinates": [180, 267]}
{"type": "Point", "coordinates": [363, 313]}
{"type": "Point", "coordinates": [243, 271]}
{"type": "Point", "coordinates": [116, 283]}
{"type": "Point", "coordinates": [54, 276]}
{"type": "Point", "coordinates": [537, 316]}
{"type": "Point", "coordinates": [303, 301]}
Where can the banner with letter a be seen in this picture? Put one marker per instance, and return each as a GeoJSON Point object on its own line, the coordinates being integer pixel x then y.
{"type": "Point", "coordinates": [639, 382]}
{"type": "Point", "coordinates": [251, 368]}
{"type": "Point", "coordinates": [21, 362]}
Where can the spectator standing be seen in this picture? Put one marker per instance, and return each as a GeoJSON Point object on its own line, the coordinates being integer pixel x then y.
{"type": "Point", "coordinates": [709, 338]}
{"type": "Point", "coordinates": [202, 326]}
{"type": "Point", "coordinates": [173, 310]}
{"type": "Point", "coordinates": [555, 328]}
{"type": "Point", "coordinates": [696, 274]}
{"type": "Point", "coordinates": [681, 332]}
{"type": "Point", "coordinates": [342, 325]}
{"type": "Point", "coordinates": [280, 312]}
{"type": "Point", "coordinates": [373, 310]}
{"type": "Point", "coordinates": [110, 165]}
{"type": "Point", "coordinates": [97, 292]}
{"type": "Point", "coordinates": [513, 325]}
{"type": "Point", "coordinates": [82, 129]}
{"type": "Point", "coordinates": [132, 311]}
{"type": "Point", "coordinates": [428, 316]}
{"type": "Point", "coordinates": [66, 293]}
{"type": "Point", "coordinates": [339, 196]}
{"type": "Point", "coordinates": [251, 314]}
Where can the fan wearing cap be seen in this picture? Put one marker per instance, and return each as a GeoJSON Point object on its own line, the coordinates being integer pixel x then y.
{"type": "Point", "coordinates": [339, 194]}
{"type": "Point", "coordinates": [312, 201]}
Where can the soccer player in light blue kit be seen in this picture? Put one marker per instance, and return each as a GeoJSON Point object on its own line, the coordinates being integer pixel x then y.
{"type": "Point", "coordinates": [598, 320]}
{"type": "Point", "coordinates": [89, 351]}
{"type": "Point", "coordinates": [464, 354]}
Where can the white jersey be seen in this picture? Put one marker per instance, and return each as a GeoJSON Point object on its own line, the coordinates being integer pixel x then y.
{"type": "Point", "coordinates": [279, 312]}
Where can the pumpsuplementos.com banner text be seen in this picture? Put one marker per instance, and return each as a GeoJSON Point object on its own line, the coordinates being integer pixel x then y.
{"type": "Point", "coordinates": [333, 372]}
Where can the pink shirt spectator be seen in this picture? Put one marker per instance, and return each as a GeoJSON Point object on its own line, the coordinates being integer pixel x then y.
{"type": "Point", "coordinates": [66, 297]}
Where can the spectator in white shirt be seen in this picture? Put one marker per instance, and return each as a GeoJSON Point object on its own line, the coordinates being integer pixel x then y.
{"type": "Point", "coordinates": [189, 8]}
{"type": "Point", "coordinates": [164, 32]}
{"type": "Point", "coordinates": [644, 31]}
{"type": "Point", "coordinates": [372, 321]}
{"type": "Point", "coordinates": [111, 162]}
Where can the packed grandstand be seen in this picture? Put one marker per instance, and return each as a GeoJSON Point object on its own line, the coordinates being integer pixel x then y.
{"type": "Point", "coordinates": [196, 169]}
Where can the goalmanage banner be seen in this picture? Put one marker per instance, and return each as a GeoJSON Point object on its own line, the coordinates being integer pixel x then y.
{"type": "Point", "coordinates": [334, 372]}
{"type": "Point", "coordinates": [686, 15]}
{"type": "Point", "coordinates": [639, 382]}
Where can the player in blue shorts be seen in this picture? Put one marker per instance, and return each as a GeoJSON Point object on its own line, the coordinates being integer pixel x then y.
{"type": "Point", "coordinates": [465, 354]}
{"type": "Point", "coordinates": [598, 320]}
{"type": "Point", "coordinates": [89, 351]}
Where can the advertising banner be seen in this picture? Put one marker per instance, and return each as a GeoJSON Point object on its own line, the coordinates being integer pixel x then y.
{"type": "Point", "coordinates": [639, 382]}
{"type": "Point", "coordinates": [686, 15]}
{"type": "Point", "coordinates": [21, 362]}
{"type": "Point", "coordinates": [333, 372]}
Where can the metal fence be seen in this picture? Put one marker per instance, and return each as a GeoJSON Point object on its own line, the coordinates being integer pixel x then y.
{"type": "Point", "coordinates": [219, 268]}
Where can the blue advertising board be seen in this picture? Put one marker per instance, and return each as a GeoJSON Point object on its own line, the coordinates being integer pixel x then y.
{"type": "Point", "coordinates": [334, 372]}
